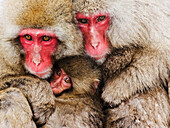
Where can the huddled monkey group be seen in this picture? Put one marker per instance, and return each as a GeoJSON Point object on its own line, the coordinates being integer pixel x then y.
{"type": "Point", "coordinates": [84, 63]}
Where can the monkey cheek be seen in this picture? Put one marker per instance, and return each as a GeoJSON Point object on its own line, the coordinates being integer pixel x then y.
{"type": "Point", "coordinates": [54, 87]}
{"type": "Point", "coordinates": [56, 91]}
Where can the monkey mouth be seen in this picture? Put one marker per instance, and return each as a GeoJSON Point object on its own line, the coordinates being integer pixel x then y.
{"type": "Point", "coordinates": [43, 74]}
{"type": "Point", "coordinates": [98, 57]}
{"type": "Point", "coordinates": [56, 90]}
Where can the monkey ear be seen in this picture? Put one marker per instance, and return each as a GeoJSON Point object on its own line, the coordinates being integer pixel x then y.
{"type": "Point", "coordinates": [95, 85]}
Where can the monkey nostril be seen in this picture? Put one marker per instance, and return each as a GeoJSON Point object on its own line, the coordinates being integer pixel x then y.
{"type": "Point", "coordinates": [95, 45]}
{"type": "Point", "coordinates": [36, 59]}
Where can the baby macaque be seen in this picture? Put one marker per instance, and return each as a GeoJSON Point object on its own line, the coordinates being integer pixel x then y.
{"type": "Point", "coordinates": [76, 79]}
{"type": "Point", "coordinates": [60, 81]}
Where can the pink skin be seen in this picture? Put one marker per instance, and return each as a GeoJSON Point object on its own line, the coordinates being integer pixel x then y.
{"type": "Point", "coordinates": [94, 32]}
{"type": "Point", "coordinates": [58, 82]}
{"type": "Point", "coordinates": [38, 51]}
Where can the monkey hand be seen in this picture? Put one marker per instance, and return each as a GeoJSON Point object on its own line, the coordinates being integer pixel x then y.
{"type": "Point", "coordinates": [112, 97]}
{"type": "Point", "coordinates": [127, 84]}
{"type": "Point", "coordinates": [38, 93]}
{"type": "Point", "coordinates": [117, 61]}
{"type": "Point", "coordinates": [15, 109]}
{"type": "Point", "coordinates": [42, 101]}
{"type": "Point", "coordinates": [118, 89]}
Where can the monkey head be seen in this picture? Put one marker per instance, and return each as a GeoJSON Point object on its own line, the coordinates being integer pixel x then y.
{"type": "Point", "coordinates": [94, 28]}
{"type": "Point", "coordinates": [77, 72]}
{"type": "Point", "coordinates": [94, 24]}
{"type": "Point", "coordinates": [39, 45]}
{"type": "Point", "coordinates": [60, 81]}
{"type": "Point", "coordinates": [110, 24]}
{"type": "Point", "coordinates": [41, 30]}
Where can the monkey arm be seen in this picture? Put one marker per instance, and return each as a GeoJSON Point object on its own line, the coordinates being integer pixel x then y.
{"type": "Point", "coordinates": [147, 70]}
{"type": "Point", "coordinates": [118, 60]}
{"type": "Point", "coordinates": [15, 110]}
{"type": "Point", "coordinates": [78, 111]}
{"type": "Point", "coordinates": [148, 109]}
{"type": "Point", "coordinates": [38, 92]}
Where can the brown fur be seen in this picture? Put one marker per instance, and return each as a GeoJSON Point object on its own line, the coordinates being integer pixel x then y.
{"type": "Point", "coordinates": [142, 24]}
{"type": "Point", "coordinates": [44, 13]}
{"type": "Point", "coordinates": [15, 110]}
{"type": "Point", "coordinates": [78, 108]}
{"type": "Point", "coordinates": [117, 61]}
{"type": "Point", "coordinates": [38, 93]}
{"type": "Point", "coordinates": [142, 110]}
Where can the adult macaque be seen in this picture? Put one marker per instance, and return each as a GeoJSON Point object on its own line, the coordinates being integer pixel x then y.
{"type": "Point", "coordinates": [33, 34]}
{"type": "Point", "coordinates": [109, 26]}
{"type": "Point", "coordinates": [79, 106]}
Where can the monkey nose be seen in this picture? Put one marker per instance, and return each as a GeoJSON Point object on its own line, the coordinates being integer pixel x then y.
{"type": "Point", "coordinates": [95, 45]}
{"type": "Point", "coordinates": [37, 49]}
{"type": "Point", "coordinates": [36, 59]}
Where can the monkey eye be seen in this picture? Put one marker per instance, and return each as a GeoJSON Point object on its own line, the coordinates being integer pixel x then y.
{"type": "Point", "coordinates": [28, 37]}
{"type": "Point", "coordinates": [67, 80]}
{"type": "Point", "coordinates": [58, 71]}
{"type": "Point", "coordinates": [83, 21]}
{"type": "Point", "coordinates": [101, 18]}
{"type": "Point", "coordinates": [46, 38]}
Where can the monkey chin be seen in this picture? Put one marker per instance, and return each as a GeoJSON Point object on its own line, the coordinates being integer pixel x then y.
{"type": "Point", "coordinates": [100, 61]}
{"type": "Point", "coordinates": [43, 75]}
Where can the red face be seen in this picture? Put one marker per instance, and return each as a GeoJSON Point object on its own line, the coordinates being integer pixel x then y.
{"type": "Point", "coordinates": [94, 28]}
{"type": "Point", "coordinates": [60, 81]}
{"type": "Point", "coordinates": [39, 46]}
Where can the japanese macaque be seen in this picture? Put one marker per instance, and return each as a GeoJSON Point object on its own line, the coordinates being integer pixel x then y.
{"type": "Point", "coordinates": [33, 34]}
{"type": "Point", "coordinates": [24, 101]}
{"type": "Point", "coordinates": [79, 106]}
{"type": "Point", "coordinates": [110, 26]}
